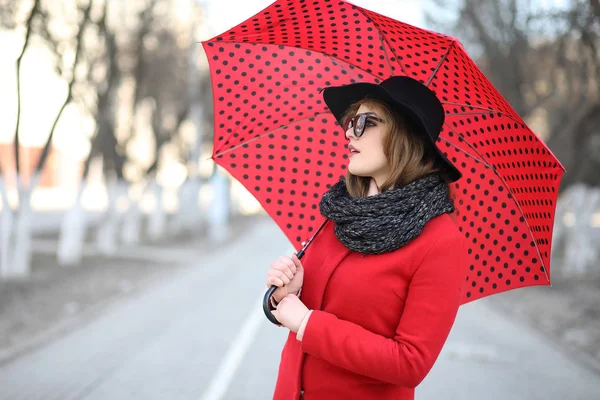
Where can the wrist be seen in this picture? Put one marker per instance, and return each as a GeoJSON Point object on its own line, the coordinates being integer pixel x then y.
{"type": "Point", "coordinates": [302, 327]}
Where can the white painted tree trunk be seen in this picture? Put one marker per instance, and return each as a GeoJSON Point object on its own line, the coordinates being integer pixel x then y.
{"type": "Point", "coordinates": [72, 232]}
{"type": "Point", "coordinates": [581, 250]}
{"type": "Point", "coordinates": [189, 216]}
{"type": "Point", "coordinates": [108, 229]}
{"type": "Point", "coordinates": [157, 220]}
{"type": "Point", "coordinates": [6, 224]}
{"type": "Point", "coordinates": [218, 214]}
{"type": "Point", "coordinates": [21, 257]}
{"type": "Point", "coordinates": [132, 224]}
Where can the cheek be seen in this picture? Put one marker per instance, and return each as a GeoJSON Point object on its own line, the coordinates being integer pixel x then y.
{"type": "Point", "coordinates": [375, 147]}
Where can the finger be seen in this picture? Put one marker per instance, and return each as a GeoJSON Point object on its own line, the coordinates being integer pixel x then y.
{"type": "Point", "coordinates": [274, 281]}
{"type": "Point", "coordinates": [276, 315]}
{"type": "Point", "coordinates": [284, 270]}
{"type": "Point", "coordinates": [278, 274]}
{"type": "Point", "coordinates": [288, 263]}
{"type": "Point", "coordinates": [279, 294]}
{"type": "Point", "coordinates": [297, 262]}
{"type": "Point", "coordinates": [288, 272]}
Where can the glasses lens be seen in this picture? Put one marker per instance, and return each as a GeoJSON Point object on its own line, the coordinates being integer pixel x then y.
{"type": "Point", "coordinates": [349, 124]}
{"type": "Point", "coordinates": [359, 126]}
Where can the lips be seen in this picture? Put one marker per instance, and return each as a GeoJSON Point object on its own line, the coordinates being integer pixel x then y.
{"type": "Point", "coordinates": [352, 149]}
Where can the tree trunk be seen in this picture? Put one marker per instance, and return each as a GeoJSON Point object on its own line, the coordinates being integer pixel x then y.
{"type": "Point", "coordinates": [218, 215]}
{"type": "Point", "coordinates": [6, 226]}
{"type": "Point", "coordinates": [189, 217]}
{"type": "Point", "coordinates": [107, 231]}
{"type": "Point", "coordinates": [132, 223]}
{"type": "Point", "coordinates": [72, 231]}
{"type": "Point", "coordinates": [574, 245]}
{"type": "Point", "coordinates": [581, 250]}
{"type": "Point", "coordinates": [28, 30]}
{"type": "Point", "coordinates": [21, 256]}
{"type": "Point", "coordinates": [157, 219]}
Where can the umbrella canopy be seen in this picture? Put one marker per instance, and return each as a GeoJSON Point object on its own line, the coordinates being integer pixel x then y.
{"type": "Point", "coordinates": [275, 135]}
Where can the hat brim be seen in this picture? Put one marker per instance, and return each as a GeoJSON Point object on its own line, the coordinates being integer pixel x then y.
{"type": "Point", "coordinates": [339, 98]}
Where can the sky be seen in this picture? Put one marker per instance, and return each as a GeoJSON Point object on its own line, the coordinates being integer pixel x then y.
{"type": "Point", "coordinates": [225, 14]}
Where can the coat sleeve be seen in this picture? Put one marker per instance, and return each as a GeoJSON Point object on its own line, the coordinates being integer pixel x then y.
{"type": "Point", "coordinates": [432, 302]}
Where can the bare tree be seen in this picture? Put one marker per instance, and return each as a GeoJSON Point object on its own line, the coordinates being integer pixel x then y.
{"type": "Point", "coordinates": [544, 61]}
{"type": "Point", "coordinates": [7, 268]}
{"type": "Point", "coordinates": [78, 45]}
{"type": "Point", "coordinates": [135, 48]}
{"type": "Point", "coordinates": [103, 78]}
{"type": "Point", "coordinates": [19, 254]}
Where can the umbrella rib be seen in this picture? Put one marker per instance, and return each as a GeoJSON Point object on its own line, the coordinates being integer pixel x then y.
{"type": "Point", "coordinates": [526, 223]}
{"type": "Point", "coordinates": [503, 181]}
{"type": "Point", "coordinates": [385, 39]}
{"type": "Point", "coordinates": [469, 106]}
{"type": "Point", "coordinates": [484, 113]}
{"type": "Point", "coordinates": [482, 108]}
{"type": "Point", "coordinates": [266, 133]}
{"type": "Point", "coordinates": [386, 54]}
{"type": "Point", "coordinates": [469, 144]}
{"type": "Point", "coordinates": [440, 64]}
{"type": "Point", "coordinates": [468, 154]}
{"type": "Point", "coordinates": [473, 113]}
{"type": "Point", "coordinates": [315, 51]}
{"type": "Point", "coordinates": [342, 68]}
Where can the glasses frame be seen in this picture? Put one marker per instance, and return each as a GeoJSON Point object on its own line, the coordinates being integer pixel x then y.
{"type": "Point", "coordinates": [358, 123]}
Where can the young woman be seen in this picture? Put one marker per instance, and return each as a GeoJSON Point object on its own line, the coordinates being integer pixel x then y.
{"type": "Point", "coordinates": [381, 283]}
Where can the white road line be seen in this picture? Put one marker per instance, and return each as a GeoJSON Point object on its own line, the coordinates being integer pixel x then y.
{"type": "Point", "coordinates": [236, 353]}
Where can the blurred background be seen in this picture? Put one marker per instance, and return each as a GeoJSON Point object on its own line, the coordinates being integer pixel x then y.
{"type": "Point", "coordinates": [108, 197]}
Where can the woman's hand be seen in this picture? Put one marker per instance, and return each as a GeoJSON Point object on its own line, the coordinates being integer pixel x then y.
{"type": "Point", "coordinates": [290, 312]}
{"type": "Point", "coordinates": [287, 274]}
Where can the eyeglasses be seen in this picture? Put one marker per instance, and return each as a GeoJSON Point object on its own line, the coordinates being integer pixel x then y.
{"type": "Point", "coordinates": [359, 122]}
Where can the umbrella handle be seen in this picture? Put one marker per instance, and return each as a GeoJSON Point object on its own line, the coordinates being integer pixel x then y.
{"type": "Point", "coordinates": [267, 305]}
{"type": "Point", "coordinates": [272, 289]}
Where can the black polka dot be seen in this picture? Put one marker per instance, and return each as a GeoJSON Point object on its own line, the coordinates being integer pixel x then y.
{"type": "Point", "coordinates": [274, 133]}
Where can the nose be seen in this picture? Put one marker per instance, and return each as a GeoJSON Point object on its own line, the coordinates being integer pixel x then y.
{"type": "Point", "coordinates": [350, 134]}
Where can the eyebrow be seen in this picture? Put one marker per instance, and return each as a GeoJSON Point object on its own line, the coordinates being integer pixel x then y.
{"type": "Point", "coordinates": [372, 114]}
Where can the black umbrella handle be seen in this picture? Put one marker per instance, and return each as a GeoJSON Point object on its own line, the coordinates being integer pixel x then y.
{"type": "Point", "coordinates": [267, 305]}
{"type": "Point", "coordinates": [267, 299]}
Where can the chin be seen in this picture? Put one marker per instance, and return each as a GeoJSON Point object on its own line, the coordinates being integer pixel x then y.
{"type": "Point", "coordinates": [358, 171]}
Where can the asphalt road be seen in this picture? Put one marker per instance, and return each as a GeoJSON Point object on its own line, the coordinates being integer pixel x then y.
{"type": "Point", "coordinates": [201, 336]}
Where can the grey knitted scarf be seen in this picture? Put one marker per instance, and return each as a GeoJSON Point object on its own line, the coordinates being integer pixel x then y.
{"type": "Point", "coordinates": [385, 221]}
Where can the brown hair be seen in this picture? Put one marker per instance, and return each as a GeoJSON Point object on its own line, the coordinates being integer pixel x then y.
{"type": "Point", "coordinates": [408, 153]}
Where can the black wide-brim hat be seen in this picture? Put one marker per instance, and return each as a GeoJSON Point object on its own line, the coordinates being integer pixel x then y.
{"type": "Point", "coordinates": [409, 97]}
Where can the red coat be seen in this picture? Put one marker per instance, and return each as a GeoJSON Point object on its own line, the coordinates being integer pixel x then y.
{"type": "Point", "coordinates": [380, 321]}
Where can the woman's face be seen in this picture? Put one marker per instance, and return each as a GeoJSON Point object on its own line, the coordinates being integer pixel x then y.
{"type": "Point", "coordinates": [369, 159]}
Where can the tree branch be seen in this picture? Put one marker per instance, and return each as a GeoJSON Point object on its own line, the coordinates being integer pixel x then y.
{"type": "Point", "coordinates": [78, 49]}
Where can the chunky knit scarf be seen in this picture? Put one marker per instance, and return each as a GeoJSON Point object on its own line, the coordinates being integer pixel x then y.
{"type": "Point", "coordinates": [385, 221]}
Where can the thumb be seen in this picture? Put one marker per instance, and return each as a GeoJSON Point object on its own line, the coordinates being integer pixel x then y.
{"type": "Point", "coordinates": [276, 315]}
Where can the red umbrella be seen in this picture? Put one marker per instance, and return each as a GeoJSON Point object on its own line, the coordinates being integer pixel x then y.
{"type": "Point", "coordinates": [275, 135]}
